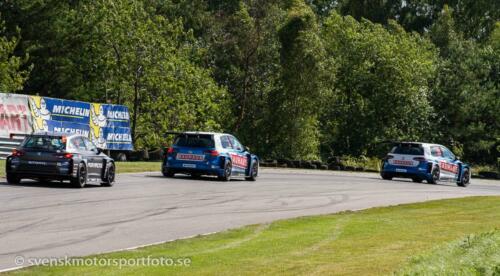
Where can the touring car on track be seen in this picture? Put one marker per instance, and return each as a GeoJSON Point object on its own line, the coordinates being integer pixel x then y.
{"type": "Point", "coordinates": [59, 156]}
{"type": "Point", "coordinates": [209, 153]}
{"type": "Point", "coordinates": [423, 161]}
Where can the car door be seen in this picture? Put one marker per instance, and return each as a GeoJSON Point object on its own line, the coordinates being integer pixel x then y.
{"type": "Point", "coordinates": [238, 156]}
{"type": "Point", "coordinates": [95, 159]}
{"type": "Point", "coordinates": [449, 166]}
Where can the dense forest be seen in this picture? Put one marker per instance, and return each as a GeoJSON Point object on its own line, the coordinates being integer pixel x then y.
{"type": "Point", "coordinates": [299, 79]}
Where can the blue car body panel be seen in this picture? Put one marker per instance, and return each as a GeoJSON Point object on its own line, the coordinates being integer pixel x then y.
{"type": "Point", "coordinates": [433, 156]}
{"type": "Point", "coordinates": [199, 160]}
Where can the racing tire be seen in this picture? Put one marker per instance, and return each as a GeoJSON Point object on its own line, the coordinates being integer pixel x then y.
{"type": "Point", "coordinates": [417, 180]}
{"type": "Point", "coordinates": [227, 172]}
{"type": "Point", "coordinates": [81, 177]}
{"type": "Point", "coordinates": [13, 179]}
{"type": "Point", "coordinates": [434, 178]}
{"type": "Point", "coordinates": [254, 173]}
{"type": "Point", "coordinates": [386, 176]}
{"type": "Point", "coordinates": [465, 181]}
{"type": "Point", "coordinates": [167, 173]}
{"type": "Point", "coordinates": [110, 176]}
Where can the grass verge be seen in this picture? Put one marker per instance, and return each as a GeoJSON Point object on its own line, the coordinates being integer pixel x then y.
{"type": "Point", "coordinates": [370, 242]}
{"type": "Point", "coordinates": [472, 255]}
{"type": "Point", "coordinates": [2, 168]}
{"type": "Point", "coordinates": [131, 167]}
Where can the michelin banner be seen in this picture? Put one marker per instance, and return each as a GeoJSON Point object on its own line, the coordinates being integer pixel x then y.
{"type": "Point", "coordinates": [15, 116]}
{"type": "Point", "coordinates": [108, 126]}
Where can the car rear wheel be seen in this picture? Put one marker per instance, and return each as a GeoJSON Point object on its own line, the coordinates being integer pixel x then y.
{"type": "Point", "coordinates": [110, 176]}
{"type": "Point", "coordinates": [254, 173]}
{"type": "Point", "coordinates": [434, 177]}
{"type": "Point", "coordinates": [13, 179]}
{"type": "Point", "coordinates": [81, 177]}
{"type": "Point", "coordinates": [227, 172]}
{"type": "Point", "coordinates": [464, 182]}
{"type": "Point", "coordinates": [386, 176]}
{"type": "Point", "coordinates": [167, 173]}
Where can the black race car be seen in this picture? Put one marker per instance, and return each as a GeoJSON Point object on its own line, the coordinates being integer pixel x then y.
{"type": "Point", "coordinates": [54, 156]}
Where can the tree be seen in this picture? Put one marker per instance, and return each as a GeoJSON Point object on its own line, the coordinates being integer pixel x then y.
{"type": "Point", "coordinates": [381, 87]}
{"type": "Point", "coordinates": [466, 92]}
{"type": "Point", "coordinates": [11, 76]}
{"type": "Point", "coordinates": [296, 103]}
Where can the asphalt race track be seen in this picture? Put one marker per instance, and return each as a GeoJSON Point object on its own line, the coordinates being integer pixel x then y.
{"type": "Point", "coordinates": [54, 220]}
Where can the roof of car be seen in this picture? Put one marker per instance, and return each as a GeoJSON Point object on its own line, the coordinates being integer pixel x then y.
{"type": "Point", "coordinates": [203, 133]}
{"type": "Point", "coordinates": [420, 143]}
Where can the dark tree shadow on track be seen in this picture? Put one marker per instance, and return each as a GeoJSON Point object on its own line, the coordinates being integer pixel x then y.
{"type": "Point", "coordinates": [200, 178]}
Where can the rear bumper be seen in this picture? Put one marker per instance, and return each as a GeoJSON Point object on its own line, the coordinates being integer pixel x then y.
{"type": "Point", "coordinates": [204, 168]}
{"type": "Point", "coordinates": [23, 170]}
{"type": "Point", "coordinates": [423, 170]}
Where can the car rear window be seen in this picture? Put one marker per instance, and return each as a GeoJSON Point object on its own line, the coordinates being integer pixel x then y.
{"type": "Point", "coordinates": [48, 143]}
{"type": "Point", "coordinates": [195, 141]}
{"type": "Point", "coordinates": [409, 149]}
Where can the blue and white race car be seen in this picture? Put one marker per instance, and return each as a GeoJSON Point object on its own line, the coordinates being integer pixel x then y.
{"type": "Point", "coordinates": [209, 153]}
{"type": "Point", "coordinates": [422, 161]}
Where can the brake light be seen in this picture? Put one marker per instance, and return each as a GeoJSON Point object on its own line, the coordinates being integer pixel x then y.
{"type": "Point", "coordinates": [64, 155]}
{"type": "Point", "coordinates": [17, 153]}
{"type": "Point", "coordinates": [170, 150]}
{"type": "Point", "coordinates": [212, 152]}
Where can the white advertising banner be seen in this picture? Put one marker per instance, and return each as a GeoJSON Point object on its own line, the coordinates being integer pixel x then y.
{"type": "Point", "coordinates": [15, 115]}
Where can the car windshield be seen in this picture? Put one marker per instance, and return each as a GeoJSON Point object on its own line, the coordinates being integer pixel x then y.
{"type": "Point", "coordinates": [44, 143]}
{"type": "Point", "coordinates": [409, 149]}
{"type": "Point", "coordinates": [195, 141]}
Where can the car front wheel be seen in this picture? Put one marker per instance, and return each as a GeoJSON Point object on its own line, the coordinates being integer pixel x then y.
{"type": "Point", "coordinates": [110, 176]}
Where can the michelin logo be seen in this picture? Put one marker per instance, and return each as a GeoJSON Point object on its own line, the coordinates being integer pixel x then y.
{"type": "Point", "coordinates": [71, 110]}
{"type": "Point", "coordinates": [117, 115]}
{"type": "Point", "coordinates": [119, 137]}
{"type": "Point", "coordinates": [71, 131]}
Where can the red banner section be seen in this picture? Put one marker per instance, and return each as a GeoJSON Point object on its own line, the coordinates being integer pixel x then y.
{"type": "Point", "coordinates": [15, 116]}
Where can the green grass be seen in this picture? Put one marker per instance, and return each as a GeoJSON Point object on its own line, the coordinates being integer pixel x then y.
{"type": "Point", "coordinates": [2, 168]}
{"type": "Point", "coordinates": [370, 242]}
{"type": "Point", "coordinates": [131, 167]}
{"type": "Point", "coordinates": [472, 255]}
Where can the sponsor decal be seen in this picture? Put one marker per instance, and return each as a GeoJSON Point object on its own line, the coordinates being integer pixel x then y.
{"type": "Point", "coordinates": [39, 163]}
{"type": "Point", "coordinates": [239, 161]}
{"type": "Point", "coordinates": [448, 167]}
{"type": "Point", "coordinates": [402, 162]}
{"type": "Point", "coordinates": [95, 165]}
{"type": "Point", "coordinates": [70, 111]}
{"type": "Point", "coordinates": [71, 130]}
{"type": "Point", "coordinates": [190, 157]}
